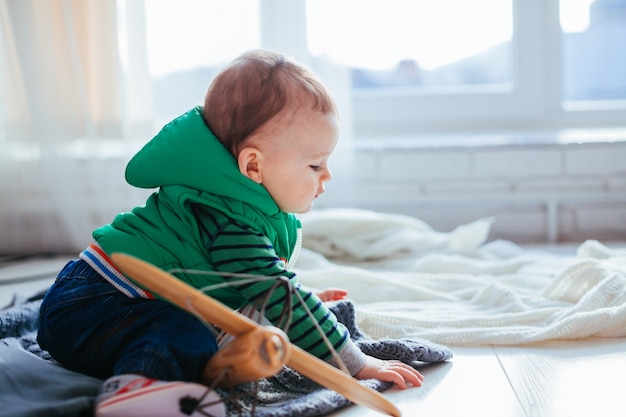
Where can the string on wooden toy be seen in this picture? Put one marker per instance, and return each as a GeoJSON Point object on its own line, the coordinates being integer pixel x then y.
{"type": "Point", "coordinates": [255, 312]}
{"type": "Point", "coordinates": [246, 278]}
{"type": "Point", "coordinates": [190, 405]}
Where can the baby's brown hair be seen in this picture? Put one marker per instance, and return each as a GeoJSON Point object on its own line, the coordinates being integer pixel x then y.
{"type": "Point", "coordinates": [254, 89]}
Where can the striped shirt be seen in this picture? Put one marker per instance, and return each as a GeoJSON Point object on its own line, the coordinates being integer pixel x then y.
{"type": "Point", "coordinates": [236, 248]}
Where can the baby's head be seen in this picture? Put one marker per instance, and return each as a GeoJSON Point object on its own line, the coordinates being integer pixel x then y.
{"type": "Point", "coordinates": [280, 124]}
{"type": "Point", "coordinates": [256, 88]}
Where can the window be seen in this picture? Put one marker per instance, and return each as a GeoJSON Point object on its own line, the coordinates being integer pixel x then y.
{"type": "Point", "coordinates": [421, 45]}
{"type": "Point", "coordinates": [417, 67]}
{"type": "Point", "coordinates": [514, 68]}
{"type": "Point", "coordinates": [189, 41]}
{"type": "Point", "coordinates": [594, 45]}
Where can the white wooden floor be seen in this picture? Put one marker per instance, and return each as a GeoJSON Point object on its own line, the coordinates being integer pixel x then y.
{"type": "Point", "coordinates": [582, 378]}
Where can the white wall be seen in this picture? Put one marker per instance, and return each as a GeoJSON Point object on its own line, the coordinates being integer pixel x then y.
{"type": "Point", "coordinates": [557, 187]}
{"type": "Point", "coordinates": [550, 189]}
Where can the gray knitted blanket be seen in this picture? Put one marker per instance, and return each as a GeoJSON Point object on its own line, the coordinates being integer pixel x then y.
{"type": "Point", "coordinates": [289, 394]}
{"type": "Point", "coordinates": [285, 394]}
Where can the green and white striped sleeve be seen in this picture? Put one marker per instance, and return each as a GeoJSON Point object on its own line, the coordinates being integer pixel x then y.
{"type": "Point", "coordinates": [239, 249]}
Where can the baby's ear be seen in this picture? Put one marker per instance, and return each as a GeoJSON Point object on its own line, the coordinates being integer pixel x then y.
{"type": "Point", "coordinates": [249, 161]}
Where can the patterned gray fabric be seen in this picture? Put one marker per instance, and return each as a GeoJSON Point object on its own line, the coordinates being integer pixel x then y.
{"type": "Point", "coordinates": [405, 350]}
{"type": "Point", "coordinates": [289, 394]}
{"type": "Point", "coordinates": [19, 323]}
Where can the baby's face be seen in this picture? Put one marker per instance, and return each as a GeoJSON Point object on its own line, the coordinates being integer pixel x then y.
{"type": "Point", "coordinates": [295, 170]}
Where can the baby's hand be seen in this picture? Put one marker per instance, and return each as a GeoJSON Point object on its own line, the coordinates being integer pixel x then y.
{"type": "Point", "coordinates": [392, 371]}
{"type": "Point", "coordinates": [332, 294]}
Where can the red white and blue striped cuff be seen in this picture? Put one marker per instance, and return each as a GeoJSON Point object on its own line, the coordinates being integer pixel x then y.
{"type": "Point", "coordinates": [98, 260]}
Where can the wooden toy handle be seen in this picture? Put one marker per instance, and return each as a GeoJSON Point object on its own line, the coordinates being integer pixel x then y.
{"type": "Point", "coordinates": [211, 310]}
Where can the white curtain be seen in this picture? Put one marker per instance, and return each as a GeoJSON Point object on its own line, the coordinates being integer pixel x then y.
{"type": "Point", "coordinates": [65, 111]}
{"type": "Point", "coordinates": [77, 102]}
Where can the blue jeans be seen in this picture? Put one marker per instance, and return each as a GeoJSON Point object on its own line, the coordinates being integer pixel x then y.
{"type": "Point", "coordinates": [90, 327]}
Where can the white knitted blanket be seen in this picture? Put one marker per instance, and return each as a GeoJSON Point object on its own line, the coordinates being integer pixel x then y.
{"type": "Point", "coordinates": [408, 280]}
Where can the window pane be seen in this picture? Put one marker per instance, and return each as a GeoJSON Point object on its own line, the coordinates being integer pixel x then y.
{"type": "Point", "coordinates": [416, 43]}
{"type": "Point", "coordinates": [594, 49]}
{"type": "Point", "coordinates": [189, 41]}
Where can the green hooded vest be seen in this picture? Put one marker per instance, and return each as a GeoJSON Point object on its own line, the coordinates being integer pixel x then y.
{"type": "Point", "coordinates": [190, 165]}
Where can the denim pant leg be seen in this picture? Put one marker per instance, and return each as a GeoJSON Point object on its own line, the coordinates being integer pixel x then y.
{"type": "Point", "coordinates": [89, 326]}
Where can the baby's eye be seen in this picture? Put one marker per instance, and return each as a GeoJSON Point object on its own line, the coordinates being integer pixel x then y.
{"type": "Point", "coordinates": [315, 167]}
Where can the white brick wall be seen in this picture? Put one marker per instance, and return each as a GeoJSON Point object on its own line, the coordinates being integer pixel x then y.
{"type": "Point", "coordinates": [595, 159]}
{"type": "Point", "coordinates": [550, 190]}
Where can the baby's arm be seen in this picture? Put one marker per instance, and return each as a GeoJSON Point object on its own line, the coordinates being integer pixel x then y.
{"type": "Point", "coordinates": [360, 365]}
{"type": "Point", "coordinates": [397, 372]}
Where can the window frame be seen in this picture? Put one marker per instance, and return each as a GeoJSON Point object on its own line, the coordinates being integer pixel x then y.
{"type": "Point", "coordinates": [533, 102]}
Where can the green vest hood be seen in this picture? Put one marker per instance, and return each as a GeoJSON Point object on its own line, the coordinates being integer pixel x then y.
{"type": "Point", "coordinates": [191, 166]}
{"type": "Point", "coordinates": [186, 153]}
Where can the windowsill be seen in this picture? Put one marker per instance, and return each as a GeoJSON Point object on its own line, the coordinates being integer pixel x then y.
{"type": "Point", "coordinates": [495, 139]}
